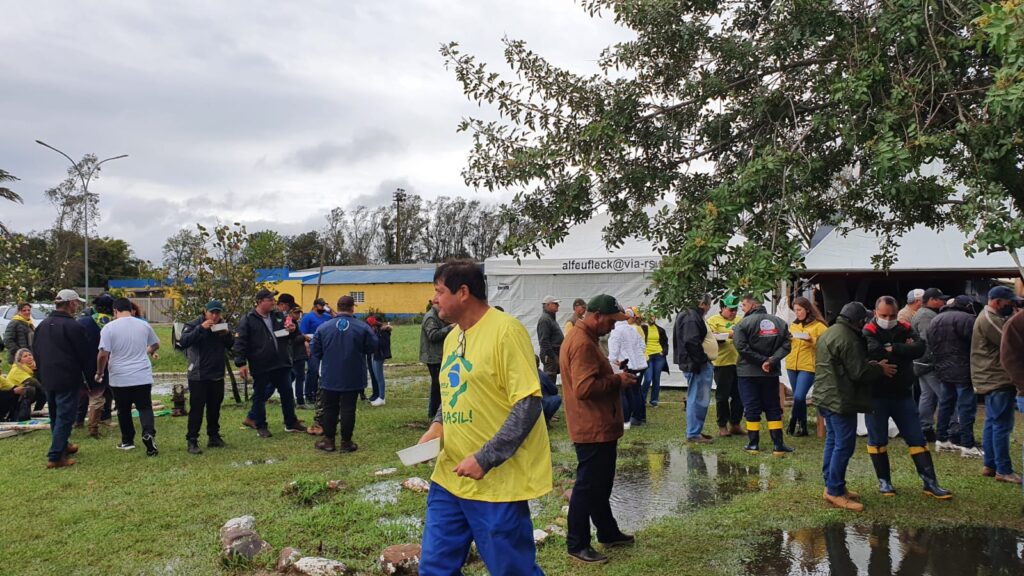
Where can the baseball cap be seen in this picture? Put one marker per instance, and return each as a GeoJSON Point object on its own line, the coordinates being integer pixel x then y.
{"type": "Point", "coordinates": [214, 305]}
{"type": "Point", "coordinates": [263, 294]}
{"type": "Point", "coordinates": [104, 299]}
{"type": "Point", "coordinates": [915, 295]}
{"type": "Point", "coordinates": [319, 302]}
{"type": "Point", "coordinates": [607, 305]}
{"type": "Point", "coordinates": [730, 301]}
{"type": "Point", "coordinates": [67, 295]}
{"type": "Point", "coordinates": [286, 298]}
{"type": "Point", "coordinates": [854, 311]}
{"type": "Point", "coordinates": [935, 293]}
{"type": "Point", "coordinates": [1002, 293]}
{"type": "Point", "coordinates": [579, 302]}
{"type": "Point", "coordinates": [963, 301]}
{"type": "Point", "coordinates": [551, 300]}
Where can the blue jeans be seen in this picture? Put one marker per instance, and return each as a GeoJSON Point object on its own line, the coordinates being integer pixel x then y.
{"type": "Point", "coordinates": [801, 382]}
{"type": "Point", "coordinates": [903, 412]}
{"type": "Point", "coordinates": [263, 387]}
{"type": "Point", "coordinates": [503, 533]}
{"type": "Point", "coordinates": [551, 405]}
{"type": "Point", "coordinates": [633, 408]}
{"type": "Point", "coordinates": [995, 439]}
{"type": "Point", "coordinates": [840, 442]}
{"type": "Point", "coordinates": [299, 378]}
{"type": "Point", "coordinates": [652, 378]}
{"type": "Point", "coordinates": [377, 367]}
{"type": "Point", "coordinates": [312, 379]}
{"type": "Point", "coordinates": [931, 389]}
{"type": "Point", "coordinates": [698, 398]}
{"type": "Point", "coordinates": [959, 397]}
{"type": "Point", "coordinates": [64, 406]}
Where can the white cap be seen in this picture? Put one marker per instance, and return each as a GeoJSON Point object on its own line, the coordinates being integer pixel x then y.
{"type": "Point", "coordinates": [67, 295]}
{"type": "Point", "coordinates": [915, 295]}
{"type": "Point", "coordinates": [551, 300]}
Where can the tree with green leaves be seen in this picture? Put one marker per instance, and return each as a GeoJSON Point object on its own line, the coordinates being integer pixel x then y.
{"type": "Point", "coordinates": [304, 250]}
{"type": "Point", "coordinates": [265, 249]}
{"type": "Point", "coordinates": [180, 252]}
{"type": "Point", "coordinates": [7, 194]}
{"type": "Point", "coordinates": [757, 119]}
{"type": "Point", "coordinates": [20, 280]}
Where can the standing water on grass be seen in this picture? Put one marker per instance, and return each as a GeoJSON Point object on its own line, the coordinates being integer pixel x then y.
{"type": "Point", "coordinates": [840, 550]}
{"type": "Point", "coordinates": [650, 485]}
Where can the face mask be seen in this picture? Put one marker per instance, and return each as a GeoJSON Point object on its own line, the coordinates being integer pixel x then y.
{"type": "Point", "coordinates": [1006, 310]}
{"type": "Point", "coordinates": [886, 324]}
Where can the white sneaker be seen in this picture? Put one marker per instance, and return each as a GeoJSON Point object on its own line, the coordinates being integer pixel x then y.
{"type": "Point", "coordinates": [972, 452]}
{"type": "Point", "coordinates": [625, 426]}
{"type": "Point", "coordinates": [946, 446]}
{"type": "Point", "coordinates": [123, 446]}
{"type": "Point", "coordinates": [377, 402]}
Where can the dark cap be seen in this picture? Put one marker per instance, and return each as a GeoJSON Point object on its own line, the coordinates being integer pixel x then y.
{"type": "Point", "coordinates": [1002, 293]}
{"type": "Point", "coordinates": [579, 302]}
{"type": "Point", "coordinates": [263, 294]}
{"type": "Point", "coordinates": [103, 300]}
{"type": "Point", "coordinates": [607, 305]}
{"type": "Point", "coordinates": [214, 306]}
{"type": "Point", "coordinates": [934, 293]}
{"type": "Point", "coordinates": [346, 302]}
{"type": "Point", "coordinates": [854, 312]}
{"type": "Point", "coordinates": [286, 298]}
{"type": "Point", "coordinates": [319, 302]}
{"type": "Point", "coordinates": [963, 301]}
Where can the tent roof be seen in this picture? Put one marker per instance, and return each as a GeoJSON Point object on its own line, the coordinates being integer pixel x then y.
{"type": "Point", "coordinates": [419, 275]}
{"type": "Point", "coordinates": [921, 249]}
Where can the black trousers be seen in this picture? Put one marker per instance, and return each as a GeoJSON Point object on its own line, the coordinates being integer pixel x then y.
{"type": "Point", "coordinates": [761, 394]}
{"type": "Point", "coordinates": [435, 390]}
{"type": "Point", "coordinates": [595, 476]}
{"type": "Point", "coordinates": [9, 406]}
{"type": "Point", "coordinates": [339, 405]}
{"type": "Point", "coordinates": [141, 397]}
{"type": "Point", "coordinates": [205, 395]}
{"type": "Point", "coordinates": [728, 404]}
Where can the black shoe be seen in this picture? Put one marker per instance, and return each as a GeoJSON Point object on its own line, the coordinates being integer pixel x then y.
{"type": "Point", "coordinates": [193, 447]}
{"type": "Point", "coordinates": [264, 432]}
{"type": "Point", "coordinates": [150, 443]}
{"type": "Point", "coordinates": [215, 442]}
{"type": "Point", "coordinates": [348, 447]}
{"type": "Point", "coordinates": [620, 540]}
{"type": "Point", "coordinates": [588, 556]}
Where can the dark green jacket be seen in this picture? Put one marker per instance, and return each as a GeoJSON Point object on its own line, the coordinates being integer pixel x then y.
{"type": "Point", "coordinates": [842, 374]}
{"type": "Point", "coordinates": [432, 335]}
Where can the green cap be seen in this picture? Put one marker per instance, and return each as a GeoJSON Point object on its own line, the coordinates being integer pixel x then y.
{"type": "Point", "coordinates": [214, 305]}
{"type": "Point", "coordinates": [607, 305]}
{"type": "Point", "coordinates": [730, 301]}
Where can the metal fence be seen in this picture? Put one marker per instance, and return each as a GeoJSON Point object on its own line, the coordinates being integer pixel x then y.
{"type": "Point", "coordinates": [156, 310]}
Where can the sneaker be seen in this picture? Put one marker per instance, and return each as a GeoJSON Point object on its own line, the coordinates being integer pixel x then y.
{"type": "Point", "coordinates": [974, 452]}
{"type": "Point", "coordinates": [946, 446]}
{"type": "Point", "coordinates": [625, 426]}
{"type": "Point", "coordinates": [298, 426]}
{"type": "Point", "coordinates": [263, 432]}
{"type": "Point", "coordinates": [126, 446]}
{"type": "Point", "coordinates": [1012, 478]}
{"type": "Point", "coordinates": [193, 447]}
{"type": "Point", "coordinates": [654, 404]}
{"type": "Point", "coordinates": [150, 443]}
{"type": "Point", "coordinates": [215, 442]}
{"type": "Point", "coordinates": [348, 447]}
{"type": "Point", "coordinates": [377, 402]}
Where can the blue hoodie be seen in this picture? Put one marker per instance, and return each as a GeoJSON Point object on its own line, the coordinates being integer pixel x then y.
{"type": "Point", "coordinates": [311, 321]}
{"type": "Point", "coordinates": [341, 345]}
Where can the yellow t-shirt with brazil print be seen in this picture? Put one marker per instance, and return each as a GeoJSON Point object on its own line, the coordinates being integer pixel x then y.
{"type": "Point", "coordinates": [478, 391]}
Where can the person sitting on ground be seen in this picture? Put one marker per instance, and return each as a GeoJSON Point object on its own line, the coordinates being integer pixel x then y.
{"type": "Point", "coordinates": [10, 401]}
{"type": "Point", "coordinates": [24, 384]}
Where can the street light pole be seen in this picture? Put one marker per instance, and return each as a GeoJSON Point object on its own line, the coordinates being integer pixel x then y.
{"type": "Point", "coordinates": [85, 194]}
{"type": "Point", "coordinates": [400, 197]}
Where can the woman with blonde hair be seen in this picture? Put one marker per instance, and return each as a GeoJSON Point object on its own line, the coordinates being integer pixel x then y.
{"type": "Point", "coordinates": [806, 330]}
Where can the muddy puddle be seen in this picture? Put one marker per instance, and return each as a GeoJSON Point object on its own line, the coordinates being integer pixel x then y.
{"type": "Point", "coordinates": [653, 484]}
{"type": "Point", "coordinates": [841, 550]}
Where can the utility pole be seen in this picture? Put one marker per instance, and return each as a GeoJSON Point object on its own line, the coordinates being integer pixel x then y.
{"type": "Point", "coordinates": [400, 197]}
{"type": "Point", "coordinates": [85, 194]}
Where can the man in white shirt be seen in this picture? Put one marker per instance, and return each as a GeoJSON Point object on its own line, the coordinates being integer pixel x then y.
{"type": "Point", "coordinates": [124, 344]}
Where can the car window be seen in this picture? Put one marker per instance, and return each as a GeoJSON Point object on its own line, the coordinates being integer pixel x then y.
{"type": "Point", "coordinates": [9, 313]}
{"type": "Point", "coordinates": [39, 313]}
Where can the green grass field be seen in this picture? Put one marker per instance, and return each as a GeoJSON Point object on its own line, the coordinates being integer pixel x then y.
{"type": "Point", "coordinates": [123, 513]}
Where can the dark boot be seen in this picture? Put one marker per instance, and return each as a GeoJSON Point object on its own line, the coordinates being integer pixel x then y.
{"type": "Point", "coordinates": [792, 426]}
{"type": "Point", "coordinates": [801, 428]}
{"type": "Point", "coordinates": [753, 441]}
{"type": "Point", "coordinates": [780, 449]}
{"type": "Point", "coordinates": [193, 447]}
{"type": "Point", "coordinates": [926, 470]}
{"type": "Point", "coordinates": [880, 461]}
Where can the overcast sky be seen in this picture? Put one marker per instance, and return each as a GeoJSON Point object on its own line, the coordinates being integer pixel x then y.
{"type": "Point", "coordinates": [266, 112]}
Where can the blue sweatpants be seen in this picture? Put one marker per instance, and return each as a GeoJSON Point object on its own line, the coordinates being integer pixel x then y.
{"type": "Point", "coordinates": [503, 533]}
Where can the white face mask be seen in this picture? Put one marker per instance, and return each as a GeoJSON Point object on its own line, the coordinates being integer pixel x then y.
{"type": "Point", "coordinates": [886, 324]}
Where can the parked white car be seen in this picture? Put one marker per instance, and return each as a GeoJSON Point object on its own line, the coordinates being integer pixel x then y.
{"type": "Point", "coordinates": [7, 311]}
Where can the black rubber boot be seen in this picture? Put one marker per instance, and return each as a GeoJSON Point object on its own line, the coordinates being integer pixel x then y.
{"type": "Point", "coordinates": [753, 441]}
{"type": "Point", "coordinates": [926, 470]}
{"type": "Point", "coordinates": [882, 471]}
{"type": "Point", "coordinates": [792, 426]}
{"type": "Point", "coordinates": [779, 449]}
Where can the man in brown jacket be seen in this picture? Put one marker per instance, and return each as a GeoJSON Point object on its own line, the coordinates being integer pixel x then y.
{"type": "Point", "coordinates": [991, 379]}
{"type": "Point", "coordinates": [1011, 354]}
{"type": "Point", "coordinates": [593, 414]}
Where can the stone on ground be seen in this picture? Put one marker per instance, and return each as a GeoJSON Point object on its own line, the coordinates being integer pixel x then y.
{"type": "Point", "coordinates": [316, 566]}
{"type": "Point", "coordinates": [401, 560]}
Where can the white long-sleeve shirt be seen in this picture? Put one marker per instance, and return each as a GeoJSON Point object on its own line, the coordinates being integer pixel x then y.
{"type": "Point", "coordinates": [625, 343]}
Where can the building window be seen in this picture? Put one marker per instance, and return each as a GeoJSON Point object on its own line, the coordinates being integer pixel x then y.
{"type": "Point", "coordinates": [359, 297]}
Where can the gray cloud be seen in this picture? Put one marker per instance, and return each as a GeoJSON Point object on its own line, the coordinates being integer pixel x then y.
{"type": "Point", "coordinates": [363, 146]}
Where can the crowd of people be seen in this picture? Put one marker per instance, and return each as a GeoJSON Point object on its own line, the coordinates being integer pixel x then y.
{"type": "Point", "coordinates": [920, 368]}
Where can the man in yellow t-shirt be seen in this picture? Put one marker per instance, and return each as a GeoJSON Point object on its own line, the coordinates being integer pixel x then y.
{"type": "Point", "coordinates": [728, 405]}
{"type": "Point", "coordinates": [495, 455]}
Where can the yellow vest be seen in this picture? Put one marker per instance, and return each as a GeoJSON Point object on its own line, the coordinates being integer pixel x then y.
{"type": "Point", "coordinates": [727, 354]}
{"type": "Point", "coordinates": [801, 356]}
{"type": "Point", "coordinates": [496, 369]}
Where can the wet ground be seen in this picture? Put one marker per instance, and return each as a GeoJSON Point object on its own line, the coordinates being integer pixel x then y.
{"type": "Point", "coordinates": [650, 484]}
{"type": "Point", "coordinates": [841, 550]}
